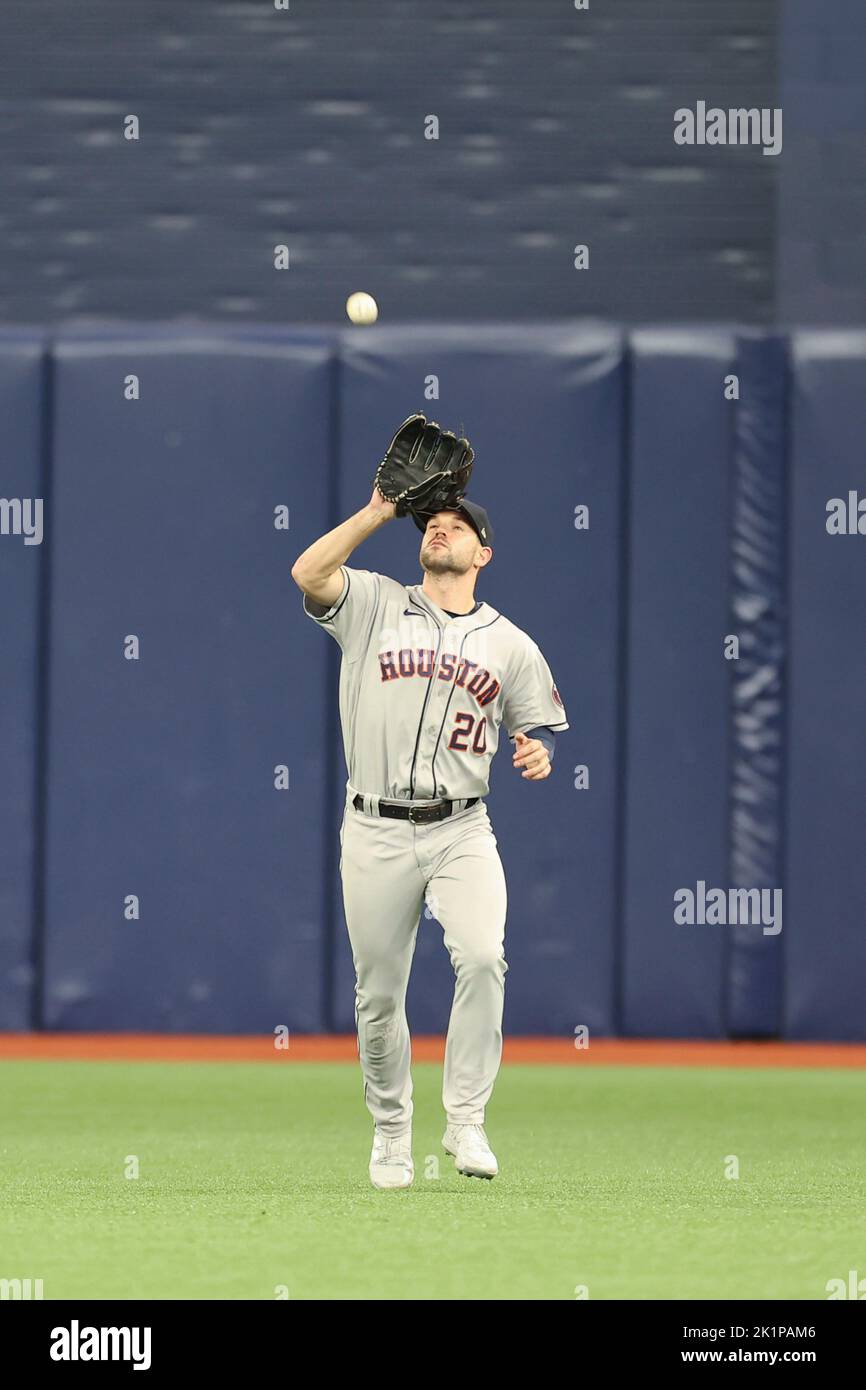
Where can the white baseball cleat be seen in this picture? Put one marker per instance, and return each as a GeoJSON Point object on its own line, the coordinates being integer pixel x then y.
{"type": "Point", "coordinates": [391, 1160]}
{"type": "Point", "coordinates": [470, 1150]}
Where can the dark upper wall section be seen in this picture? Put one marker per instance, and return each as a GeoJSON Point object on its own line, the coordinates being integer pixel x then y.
{"type": "Point", "coordinates": [822, 186]}
{"type": "Point", "coordinates": [306, 127]}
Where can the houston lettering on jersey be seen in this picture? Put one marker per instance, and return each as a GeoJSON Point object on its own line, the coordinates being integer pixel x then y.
{"type": "Point", "coordinates": [421, 661]}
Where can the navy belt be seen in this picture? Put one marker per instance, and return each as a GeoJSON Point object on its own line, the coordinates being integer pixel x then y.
{"type": "Point", "coordinates": [418, 815]}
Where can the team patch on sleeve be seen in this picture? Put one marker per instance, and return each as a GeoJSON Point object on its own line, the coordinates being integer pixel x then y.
{"type": "Point", "coordinates": [556, 696]}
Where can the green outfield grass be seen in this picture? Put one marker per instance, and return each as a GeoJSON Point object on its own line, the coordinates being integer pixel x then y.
{"type": "Point", "coordinates": [255, 1176]}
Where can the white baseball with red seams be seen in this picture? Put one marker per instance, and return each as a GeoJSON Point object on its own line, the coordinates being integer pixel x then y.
{"type": "Point", "coordinates": [422, 698]}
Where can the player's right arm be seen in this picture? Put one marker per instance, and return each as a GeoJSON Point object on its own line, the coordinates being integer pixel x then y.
{"type": "Point", "coordinates": [317, 571]}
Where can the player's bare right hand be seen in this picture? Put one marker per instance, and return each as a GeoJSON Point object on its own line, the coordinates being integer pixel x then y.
{"type": "Point", "coordinates": [378, 503]}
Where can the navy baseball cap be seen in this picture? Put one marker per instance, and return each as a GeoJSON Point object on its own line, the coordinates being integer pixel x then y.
{"type": "Point", "coordinates": [475, 515]}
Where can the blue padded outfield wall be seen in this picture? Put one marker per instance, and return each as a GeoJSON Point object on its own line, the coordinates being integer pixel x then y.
{"type": "Point", "coordinates": [676, 683]}
{"type": "Point", "coordinates": [170, 822]}
{"type": "Point", "coordinates": [24, 411]}
{"type": "Point", "coordinates": [161, 770]}
{"type": "Point", "coordinates": [825, 941]}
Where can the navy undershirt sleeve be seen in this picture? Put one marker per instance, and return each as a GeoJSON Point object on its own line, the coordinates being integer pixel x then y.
{"type": "Point", "coordinates": [547, 736]}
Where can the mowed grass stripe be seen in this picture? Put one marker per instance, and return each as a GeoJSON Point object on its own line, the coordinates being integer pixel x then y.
{"type": "Point", "coordinates": [254, 1178]}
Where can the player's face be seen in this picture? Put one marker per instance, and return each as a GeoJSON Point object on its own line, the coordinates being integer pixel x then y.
{"type": "Point", "coordinates": [449, 546]}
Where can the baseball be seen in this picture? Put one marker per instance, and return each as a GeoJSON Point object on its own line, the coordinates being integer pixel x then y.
{"type": "Point", "coordinates": [362, 308]}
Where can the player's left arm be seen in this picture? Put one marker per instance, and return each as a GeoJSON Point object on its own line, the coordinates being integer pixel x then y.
{"type": "Point", "coordinates": [533, 753]}
{"type": "Point", "coordinates": [533, 714]}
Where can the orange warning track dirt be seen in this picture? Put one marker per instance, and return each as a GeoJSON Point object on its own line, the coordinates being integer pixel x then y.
{"type": "Point", "coordinates": [638, 1052]}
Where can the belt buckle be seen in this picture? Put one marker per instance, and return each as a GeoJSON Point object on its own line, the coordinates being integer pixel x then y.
{"type": "Point", "coordinates": [425, 814]}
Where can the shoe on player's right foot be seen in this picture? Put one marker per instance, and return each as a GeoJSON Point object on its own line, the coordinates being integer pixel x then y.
{"type": "Point", "coordinates": [391, 1160]}
{"type": "Point", "coordinates": [472, 1154]}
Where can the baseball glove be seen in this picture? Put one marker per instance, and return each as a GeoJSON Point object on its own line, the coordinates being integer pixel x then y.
{"type": "Point", "coordinates": [425, 468]}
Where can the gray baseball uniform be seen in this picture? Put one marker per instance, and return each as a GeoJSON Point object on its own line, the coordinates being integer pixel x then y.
{"type": "Point", "coordinates": [422, 698]}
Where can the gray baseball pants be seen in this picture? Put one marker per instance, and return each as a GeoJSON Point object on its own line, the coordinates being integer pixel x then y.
{"type": "Point", "coordinates": [389, 868]}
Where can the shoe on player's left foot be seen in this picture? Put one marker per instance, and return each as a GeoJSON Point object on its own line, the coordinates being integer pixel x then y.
{"type": "Point", "coordinates": [471, 1152]}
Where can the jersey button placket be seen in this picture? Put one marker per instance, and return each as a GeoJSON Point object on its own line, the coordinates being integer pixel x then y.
{"type": "Point", "coordinates": [427, 746]}
{"type": "Point", "coordinates": [438, 706]}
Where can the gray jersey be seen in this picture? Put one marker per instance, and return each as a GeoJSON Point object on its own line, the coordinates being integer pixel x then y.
{"type": "Point", "coordinates": [423, 695]}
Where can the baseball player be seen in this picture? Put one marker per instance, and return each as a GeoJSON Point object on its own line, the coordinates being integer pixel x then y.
{"type": "Point", "coordinates": [428, 675]}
